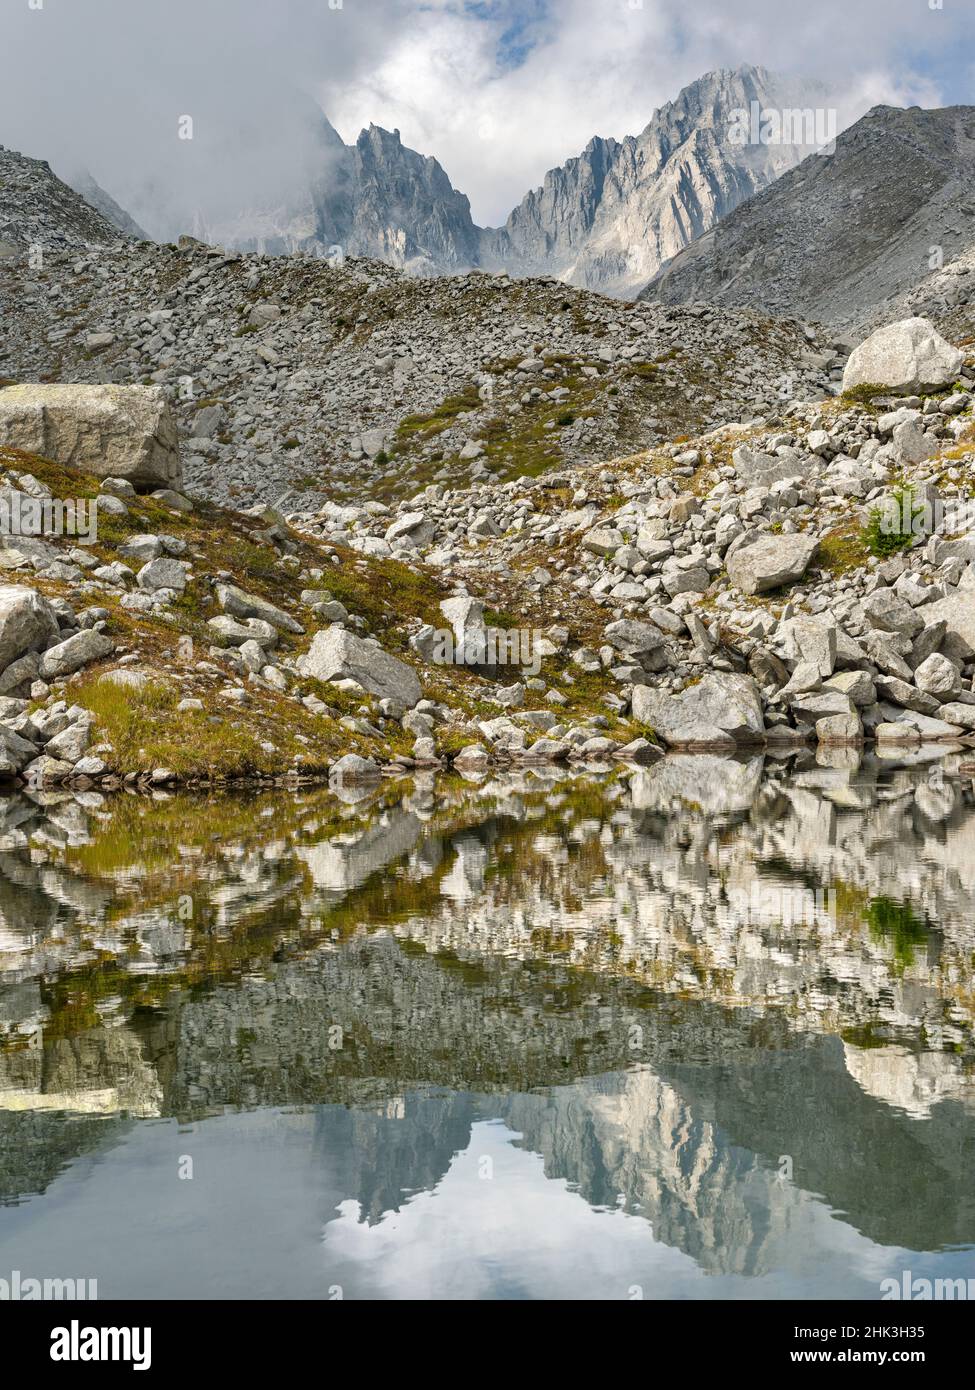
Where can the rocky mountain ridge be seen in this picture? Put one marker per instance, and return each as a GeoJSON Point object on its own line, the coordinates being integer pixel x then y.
{"type": "Point", "coordinates": [623, 208]}
{"type": "Point", "coordinates": [846, 238]}
{"type": "Point", "coordinates": [604, 220]}
{"type": "Point", "coordinates": [40, 212]}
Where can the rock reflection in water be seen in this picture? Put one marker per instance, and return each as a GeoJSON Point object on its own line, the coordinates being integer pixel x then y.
{"type": "Point", "coordinates": [704, 994]}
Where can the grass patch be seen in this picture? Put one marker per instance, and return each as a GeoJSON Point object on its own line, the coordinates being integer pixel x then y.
{"type": "Point", "coordinates": [843, 549]}
{"type": "Point", "coordinates": [146, 731]}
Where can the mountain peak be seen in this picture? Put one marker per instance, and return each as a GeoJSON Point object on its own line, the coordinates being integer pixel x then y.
{"type": "Point", "coordinates": [844, 235]}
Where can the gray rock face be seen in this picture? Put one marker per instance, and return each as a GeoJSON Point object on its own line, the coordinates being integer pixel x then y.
{"type": "Point", "coordinates": [610, 218]}
{"type": "Point", "coordinates": [466, 618]}
{"type": "Point", "coordinates": [937, 676]}
{"type": "Point", "coordinates": [413, 528]}
{"type": "Point", "coordinates": [771, 561]}
{"type": "Point", "coordinates": [110, 431]}
{"type": "Point", "coordinates": [375, 198]}
{"type": "Point", "coordinates": [337, 654]}
{"type": "Point", "coordinates": [241, 605]}
{"type": "Point", "coordinates": [905, 357]}
{"type": "Point", "coordinates": [71, 743]}
{"type": "Point", "coordinates": [958, 612]}
{"type": "Point", "coordinates": [162, 574]}
{"type": "Point", "coordinates": [26, 620]}
{"type": "Point", "coordinates": [16, 753]}
{"type": "Point", "coordinates": [887, 611]}
{"type": "Point", "coordinates": [720, 709]}
{"type": "Point", "coordinates": [842, 237]}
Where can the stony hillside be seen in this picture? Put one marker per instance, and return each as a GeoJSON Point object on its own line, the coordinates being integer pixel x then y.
{"type": "Point", "coordinates": [96, 197]}
{"type": "Point", "coordinates": [842, 238]}
{"type": "Point", "coordinates": [38, 210]}
{"type": "Point", "coordinates": [946, 296]}
{"type": "Point", "coordinates": [738, 589]}
{"type": "Point", "coordinates": [294, 379]}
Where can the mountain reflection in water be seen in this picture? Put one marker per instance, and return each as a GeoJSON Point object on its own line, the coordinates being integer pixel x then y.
{"type": "Point", "coordinates": [702, 1030]}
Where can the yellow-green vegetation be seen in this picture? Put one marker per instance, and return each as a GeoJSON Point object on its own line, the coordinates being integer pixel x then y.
{"type": "Point", "coordinates": [427, 427]}
{"type": "Point", "coordinates": [843, 549]}
{"type": "Point", "coordinates": [864, 394]}
{"type": "Point", "coordinates": [146, 730]}
{"type": "Point", "coordinates": [270, 732]}
{"type": "Point", "coordinates": [385, 589]}
{"type": "Point", "coordinates": [225, 740]}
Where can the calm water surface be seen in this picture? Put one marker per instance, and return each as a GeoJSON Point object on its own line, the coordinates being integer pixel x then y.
{"type": "Point", "coordinates": [705, 1031]}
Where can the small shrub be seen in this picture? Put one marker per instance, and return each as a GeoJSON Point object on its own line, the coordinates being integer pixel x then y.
{"type": "Point", "coordinates": [885, 532]}
{"type": "Point", "coordinates": [864, 394]}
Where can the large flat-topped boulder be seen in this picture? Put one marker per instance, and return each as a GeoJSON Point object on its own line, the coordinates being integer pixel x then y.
{"type": "Point", "coordinates": [110, 431]}
{"type": "Point", "coordinates": [904, 357]}
{"type": "Point", "coordinates": [721, 709]}
{"type": "Point", "coordinates": [769, 561]}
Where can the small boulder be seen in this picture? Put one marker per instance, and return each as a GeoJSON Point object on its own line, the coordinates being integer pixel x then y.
{"type": "Point", "coordinates": [69, 656]}
{"type": "Point", "coordinates": [242, 605]}
{"type": "Point", "coordinates": [770, 561]}
{"type": "Point", "coordinates": [352, 768]}
{"type": "Point", "coordinates": [938, 676]}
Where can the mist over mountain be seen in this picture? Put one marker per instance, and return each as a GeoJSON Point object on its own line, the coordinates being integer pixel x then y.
{"type": "Point", "coordinates": [605, 220]}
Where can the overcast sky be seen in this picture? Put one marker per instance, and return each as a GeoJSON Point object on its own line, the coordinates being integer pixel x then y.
{"type": "Point", "coordinates": [498, 90]}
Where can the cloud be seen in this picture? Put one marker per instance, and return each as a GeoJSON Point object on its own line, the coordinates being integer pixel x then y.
{"type": "Point", "coordinates": [603, 66]}
{"type": "Point", "coordinates": [103, 84]}
{"type": "Point", "coordinates": [498, 90]}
